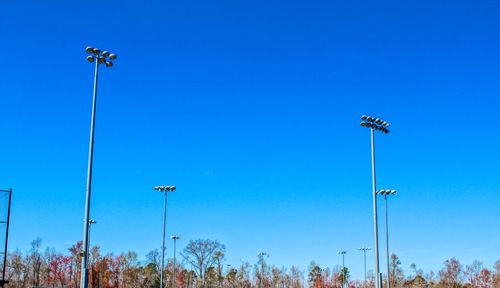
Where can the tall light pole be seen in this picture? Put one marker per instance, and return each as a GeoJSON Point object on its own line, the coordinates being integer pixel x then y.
{"type": "Point", "coordinates": [364, 249]}
{"type": "Point", "coordinates": [379, 125]}
{"type": "Point", "coordinates": [175, 238]}
{"type": "Point", "coordinates": [164, 190]}
{"type": "Point", "coordinates": [99, 58]}
{"type": "Point", "coordinates": [385, 192]}
{"type": "Point", "coordinates": [343, 266]}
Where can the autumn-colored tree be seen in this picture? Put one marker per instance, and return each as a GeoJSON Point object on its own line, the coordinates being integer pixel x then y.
{"type": "Point", "coordinates": [315, 276]}
{"type": "Point", "coordinates": [60, 268]}
{"type": "Point", "coordinates": [76, 259]}
{"type": "Point", "coordinates": [20, 275]}
{"type": "Point", "coordinates": [496, 274]}
{"type": "Point", "coordinates": [451, 274]}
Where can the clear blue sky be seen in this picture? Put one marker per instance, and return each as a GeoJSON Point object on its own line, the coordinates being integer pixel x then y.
{"type": "Point", "coordinates": [252, 109]}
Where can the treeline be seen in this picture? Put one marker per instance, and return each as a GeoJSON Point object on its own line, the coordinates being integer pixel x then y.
{"type": "Point", "coordinates": [202, 264]}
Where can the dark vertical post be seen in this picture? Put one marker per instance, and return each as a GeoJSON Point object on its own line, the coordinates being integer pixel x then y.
{"type": "Point", "coordinates": [6, 239]}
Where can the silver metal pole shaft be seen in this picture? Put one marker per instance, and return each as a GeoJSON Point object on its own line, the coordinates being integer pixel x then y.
{"type": "Point", "coordinates": [84, 269]}
{"type": "Point", "coordinates": [173, 281]}
{"type": "Point", "coordinates": [163, 239]}
{"type": "Point", "coordinates": [343, 271]}
{"type": "Point", "coordinates": [364, 254]}
{"type": "Point", "coordinates": [387, 242]}
{"type": "Point", "coordinates": [375, 221]}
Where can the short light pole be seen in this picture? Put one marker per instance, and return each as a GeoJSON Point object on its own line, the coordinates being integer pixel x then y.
{"type": "Point", "coordinates": [164, 190]}
{"type": "Point", "coordinates": [343, 266]}
{"type": "Point", "coordinates": [105, 58]}
{"type": "Point", "coordinates": [385, 193]}
{"type": "Point", "coordinates": [261, 260]}
{"type": "Point", "coordinates": [175, 238]}
{"type": "Point", "coordinates": [364, 249]}
{"type": "Point", "coordinates": [379, 125]}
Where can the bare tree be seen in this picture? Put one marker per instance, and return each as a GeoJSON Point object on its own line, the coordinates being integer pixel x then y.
{"type": "Point", "coordinates": [35, 262]}
{"type": "Point", "coordinates": [202, 254]}
{"type": "Point", "coordinates": [451, 275]}
{"type": "Point", "coordinates": [396, 273]}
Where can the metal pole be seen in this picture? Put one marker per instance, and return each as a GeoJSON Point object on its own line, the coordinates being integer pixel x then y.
{"type": "Point", "coordinates": [163, 238]}
{"type": "Point", "coordinates": [375, 221]}
{"type": "Point", "coordinates": [343, 271]}
{"type": "Point", "coordinates": [387, 242]}
{"type": "Point", "coordinates": [173, 281]}
{"type": "Point", "coordinates": [364, 253]}
{"type": "Point", "coordinates": [6, 239]}
{"type": "Point", "coordinates": [84, 269]}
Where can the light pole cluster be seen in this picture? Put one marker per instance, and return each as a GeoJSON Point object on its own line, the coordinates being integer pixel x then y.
{"type": "Point", "coordinates": [377, 124]}
{"type": "Point", "coordinates": [106, 58]}
{"type": "Point", "coordinates": [164, 190]}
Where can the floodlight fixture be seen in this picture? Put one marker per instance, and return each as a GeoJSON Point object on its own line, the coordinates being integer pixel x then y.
{"type": "Point", "coordinates": [375, 124]}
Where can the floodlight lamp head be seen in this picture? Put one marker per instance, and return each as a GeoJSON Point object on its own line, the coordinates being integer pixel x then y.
{"type": "Point", "coordinates": [105, 54]}
{"type": "Point", "coordinates": [90, 59]}
{"type": "Point", "coordinates": [109, 64]}
{"type": "Point", "coordinates": [89, 50]}
{"type": "Point", "coordinates": [112, 56]}
{"type": "Point", "coordinates": [96, 51]}
{"type": "Point", "coordinates": [363, 117]}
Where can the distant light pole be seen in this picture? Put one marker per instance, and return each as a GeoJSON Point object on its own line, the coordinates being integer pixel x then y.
{"type": "Point", "coordinates": [343, 266]}
{"type": "Point", "coordinates": [175, 238]}
{"type": "Point", "coordinates": [164, 190]}
{"type": "Point", "coordinates": [105, 58]}
{"type": "Point", "coordinates": [261, 259]}
{"type": "Point", "coordinates": [379, 125]}
{"type": "Point", "coordinates": [385, 192]}
{"type": "Point", "coordinates": [364, 249]}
